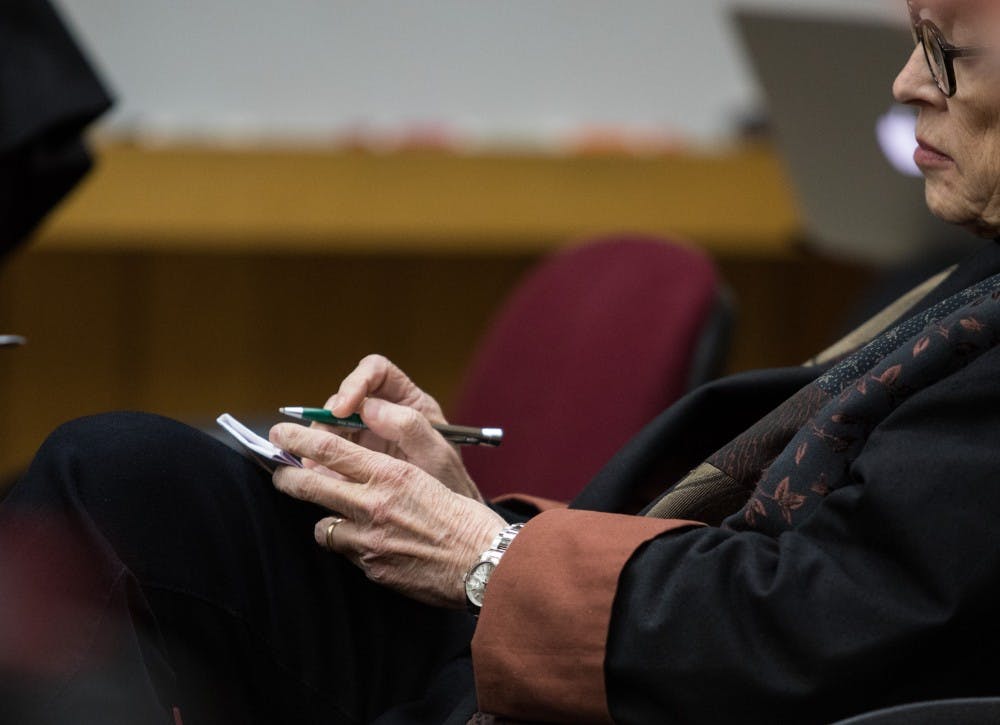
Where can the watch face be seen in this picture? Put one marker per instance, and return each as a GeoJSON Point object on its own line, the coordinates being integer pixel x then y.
{"type": "Point", "coordinates": [475, 583]}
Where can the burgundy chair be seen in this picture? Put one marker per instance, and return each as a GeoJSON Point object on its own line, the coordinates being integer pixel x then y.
{"type": "Point", "coordinates": [594, 342]}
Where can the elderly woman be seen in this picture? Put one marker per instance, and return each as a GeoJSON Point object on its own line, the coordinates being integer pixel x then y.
{"type": "Point", "coordinates": [824, 543]}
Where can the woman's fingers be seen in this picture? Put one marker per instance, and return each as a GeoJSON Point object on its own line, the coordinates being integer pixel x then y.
{"type": "Point", "coordinates": [344, 536]}
{"type": "Point", "coordinates": [406, 427]}
{"type": "Point", "coordinates": [331, 451]}
{"type": "Point", "coordinates": [334, 532]}
{"type": "Point", "coordinates": [320, 468]}
{"type": "Point", "coordinates": [339, 535]}
{"type": "Point", "coordinates": [402, 526]}
{"type": "Point", "coordinates": [411, 434]}
{"type": "Point", "coordinates": [384, 558]}
{"type": "Point", "coordinates": [375, 376]}
{"type": "Point", "coordinates": [344, 497]}
{"type": "Point", "coordinates": [350, 463]}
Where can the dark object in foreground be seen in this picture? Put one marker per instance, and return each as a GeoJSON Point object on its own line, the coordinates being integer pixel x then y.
{"type": "Point", "coordinates": [48, 95]}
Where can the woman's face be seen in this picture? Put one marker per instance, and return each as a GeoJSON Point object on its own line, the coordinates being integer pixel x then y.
{"type": "Point", "coordinates": [959, 137]}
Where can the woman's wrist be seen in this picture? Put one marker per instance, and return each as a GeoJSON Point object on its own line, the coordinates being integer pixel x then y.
{"type": "Point", "coordinates": [478, 541]}
{"type": "Point", "coordinates": [482, 570]}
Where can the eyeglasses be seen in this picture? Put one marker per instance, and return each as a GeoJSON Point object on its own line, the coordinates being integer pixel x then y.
{"type": "Point", "coordinates": [939, 53]}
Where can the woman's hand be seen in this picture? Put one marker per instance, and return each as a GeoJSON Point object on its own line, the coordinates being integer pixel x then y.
{"type": "Point", "coordinates": [399, 417]}
{"type": "Point", "coordinates": [402, 527]}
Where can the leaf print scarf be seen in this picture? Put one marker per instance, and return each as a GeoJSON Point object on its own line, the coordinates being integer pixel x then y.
{"type": "Point", "coordinates": [774, 475]}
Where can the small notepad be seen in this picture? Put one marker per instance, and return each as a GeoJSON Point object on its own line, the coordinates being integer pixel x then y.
{"type": "Point", "coordinates": [268, 454]}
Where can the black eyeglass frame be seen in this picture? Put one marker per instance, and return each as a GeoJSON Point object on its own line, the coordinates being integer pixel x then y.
{"type": "Point", "coordinates": [925, 32]}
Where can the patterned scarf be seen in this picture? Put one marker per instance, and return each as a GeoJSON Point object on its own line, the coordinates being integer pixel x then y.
{"type": "Point", "coordinates": [774, 475]}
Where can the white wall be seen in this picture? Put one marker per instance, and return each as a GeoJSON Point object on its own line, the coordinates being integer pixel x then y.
{"type": "Point", "coordinates": [492, 68]}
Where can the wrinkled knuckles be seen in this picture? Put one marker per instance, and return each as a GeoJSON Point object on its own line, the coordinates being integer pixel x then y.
{"type": "Point", "coordinates": [330, 448]}
{"type": "Point", "coordinates": [375, 566]}
{"type": "Point", "coordinates": [388, 471]}
{"type": "Point", "coordinates": [376, 574]}
{"type": "Point", "coordinates": [378, 363]}
{"type": "Point", "coordinates": [374, 544]}
{"type": "Point", "coordinates": [427, 405]}
{"type": "Point", "coordinates": [380, 510]}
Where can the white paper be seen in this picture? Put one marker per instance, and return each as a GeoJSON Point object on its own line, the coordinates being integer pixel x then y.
{"type": "Point", "coordinates": [261, 447]}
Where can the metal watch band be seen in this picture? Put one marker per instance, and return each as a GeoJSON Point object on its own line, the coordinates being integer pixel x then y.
{"type": "Point", "coordinates": [492, 555]}
{"type": "Point", "coordinates": [503, 539]}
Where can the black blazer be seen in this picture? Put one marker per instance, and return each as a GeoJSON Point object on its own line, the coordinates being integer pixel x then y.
{"type": "Point", "coordinates": [712, 627]}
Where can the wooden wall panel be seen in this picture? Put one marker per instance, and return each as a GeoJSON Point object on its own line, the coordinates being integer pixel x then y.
{"type": "Point", "coordinates": [191, 335]}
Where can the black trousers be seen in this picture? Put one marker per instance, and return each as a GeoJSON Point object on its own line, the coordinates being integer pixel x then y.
{"type": "Point", "coordinates": [145, 567]}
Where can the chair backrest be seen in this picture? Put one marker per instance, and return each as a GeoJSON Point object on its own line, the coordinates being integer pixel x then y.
{"type": "Point", "coordinates": [593, 343]}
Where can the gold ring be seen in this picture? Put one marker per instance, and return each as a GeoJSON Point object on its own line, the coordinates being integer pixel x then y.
{"type": "Point", "coordinates": [329, 532]}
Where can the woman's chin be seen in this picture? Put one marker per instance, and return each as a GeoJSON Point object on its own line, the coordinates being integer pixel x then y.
{"type": "Point", "coordinates": [947, 208]}
{"type": "Point", "coordinates": [987, 229]}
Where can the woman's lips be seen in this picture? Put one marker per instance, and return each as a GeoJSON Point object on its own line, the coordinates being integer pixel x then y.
{"type": "Point", "coordinates": [929, 156]}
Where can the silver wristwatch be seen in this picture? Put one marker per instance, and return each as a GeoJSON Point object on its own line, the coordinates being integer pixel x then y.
{"type": "Point", "coordinates": [478, 576]}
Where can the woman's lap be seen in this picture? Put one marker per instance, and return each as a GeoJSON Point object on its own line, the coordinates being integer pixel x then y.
{"type": "Point", "coordinates": [172, 532]}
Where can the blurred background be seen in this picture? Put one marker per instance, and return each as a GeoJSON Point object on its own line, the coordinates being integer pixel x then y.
{"type": "Point", "coordinates": [282, 188]}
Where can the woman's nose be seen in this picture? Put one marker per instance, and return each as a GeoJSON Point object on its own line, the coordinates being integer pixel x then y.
{"type": "Point", "coordinates": [915, 84]}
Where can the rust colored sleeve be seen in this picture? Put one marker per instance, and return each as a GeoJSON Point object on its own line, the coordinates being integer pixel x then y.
{"type": "Point", "coordinates": [540, 644]}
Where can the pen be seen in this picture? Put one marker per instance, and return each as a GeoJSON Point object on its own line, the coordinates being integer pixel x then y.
{"type": "Point", "coordinates": [458, 434]}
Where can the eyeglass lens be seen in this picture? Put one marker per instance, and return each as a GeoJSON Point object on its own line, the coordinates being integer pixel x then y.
{"type": "Point", "coordinates": [935, 57]}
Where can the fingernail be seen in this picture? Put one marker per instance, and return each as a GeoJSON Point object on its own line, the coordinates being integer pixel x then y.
{"type": "Point", "coordinates": [333, 402]}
